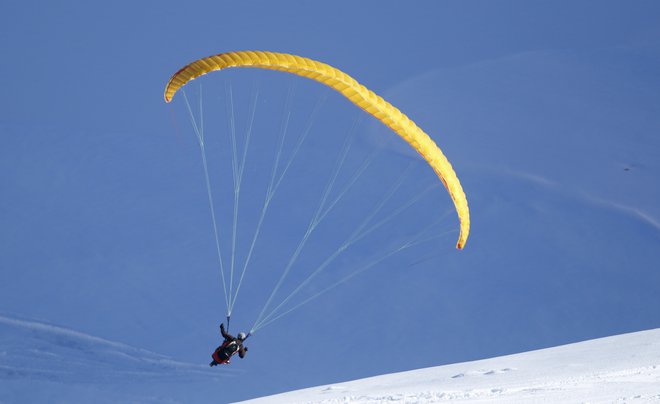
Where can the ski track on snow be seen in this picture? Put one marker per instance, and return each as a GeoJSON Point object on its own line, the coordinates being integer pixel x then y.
{"type": "Point", "coordinates": [579, 194]}
{"type": "Point", "coordinates": [40, 351]}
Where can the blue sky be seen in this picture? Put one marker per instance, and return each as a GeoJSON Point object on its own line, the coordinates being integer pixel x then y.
{"type": "Point", "coordinates": [119, 54]}
{"type": "Point", "coordinates": [547, 110]}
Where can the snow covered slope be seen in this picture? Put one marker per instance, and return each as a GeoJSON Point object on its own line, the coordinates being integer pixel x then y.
{"type": "Point", "coordinates": [549, 113]}
{"type": "Point", "coordinates": [40, 362]}
{"type": "Point", "coordinates": [624, 368]}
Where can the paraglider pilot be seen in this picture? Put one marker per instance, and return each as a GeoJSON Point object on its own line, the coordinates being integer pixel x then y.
{"type": "Point", "coordinates": [229, 347]}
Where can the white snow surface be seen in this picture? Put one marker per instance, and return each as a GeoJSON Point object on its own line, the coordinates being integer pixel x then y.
{"type": "Point", "coordinates": [41, 362]}
{"type": "Point", "coordinates": [618, 369]}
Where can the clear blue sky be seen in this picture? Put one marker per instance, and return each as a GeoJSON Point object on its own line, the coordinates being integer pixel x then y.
{"type": "Point", "coordinates": [118, 54]}
{"type": "Point", "coordinates": [542, 107]}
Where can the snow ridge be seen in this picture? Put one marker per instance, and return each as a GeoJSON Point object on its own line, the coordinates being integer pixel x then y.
{"type": "Point", "coordinates": [622, 368]}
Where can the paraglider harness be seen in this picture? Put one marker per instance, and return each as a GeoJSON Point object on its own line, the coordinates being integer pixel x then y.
{"type": "Point", "coordinates": [229, 348]}
{"type": "Point", "coordinates": [225, 351]}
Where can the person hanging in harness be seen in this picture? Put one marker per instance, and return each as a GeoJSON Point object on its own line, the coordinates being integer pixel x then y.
{"type": "Point", "coordinates": [229, 347]}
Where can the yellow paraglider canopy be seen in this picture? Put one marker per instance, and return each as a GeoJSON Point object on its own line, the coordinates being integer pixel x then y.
{"type": "Point", "coordinates": [351, 89]}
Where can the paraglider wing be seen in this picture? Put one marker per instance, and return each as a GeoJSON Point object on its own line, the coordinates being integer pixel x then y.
{"type": "Point", "coordinates": [355, 92]}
